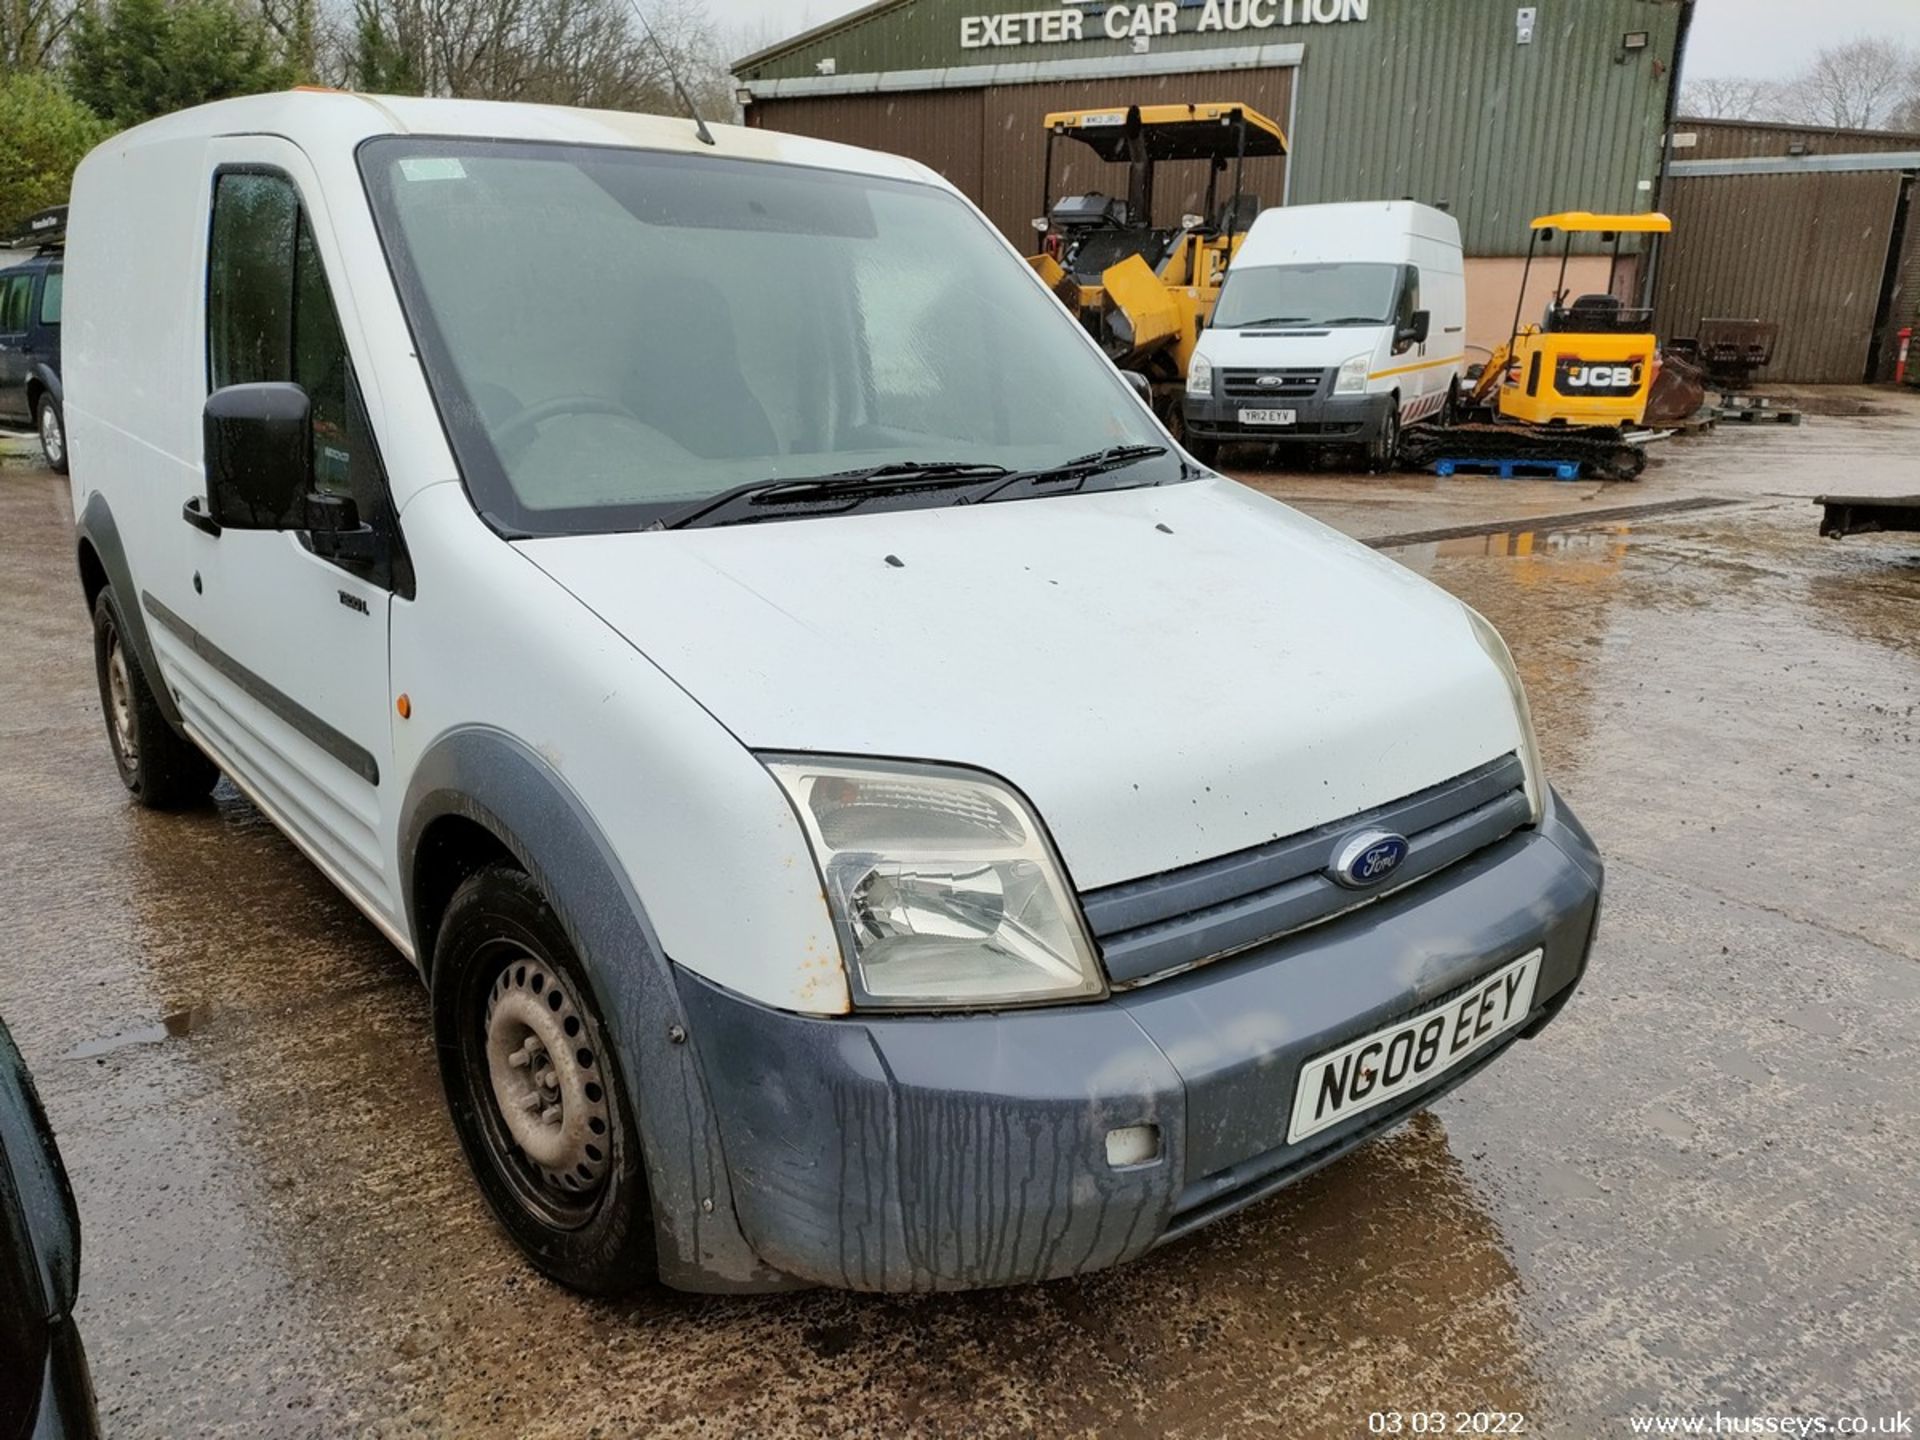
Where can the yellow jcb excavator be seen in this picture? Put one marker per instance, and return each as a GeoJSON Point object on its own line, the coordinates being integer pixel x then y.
{"type": "Point", "coordinates": [1574, 386]}
{"type": "Point", "coordinates": [1144, 290]}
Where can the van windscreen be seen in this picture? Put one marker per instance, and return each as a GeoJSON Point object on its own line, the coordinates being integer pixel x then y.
{"type": "Point", "coordinates": [612, 334]}
{"type": "Point", "coordinates": [1342, 293]}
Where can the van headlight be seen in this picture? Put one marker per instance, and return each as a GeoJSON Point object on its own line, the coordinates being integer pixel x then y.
{"type": "Point", "coordinates": [1199, 375]}
{"type": "Point", "coordinates": [1497, 652]}
{"type": "Point", "coordinates": [944, 889]}
{"type": "Point", "coordinates": [1353, 376]}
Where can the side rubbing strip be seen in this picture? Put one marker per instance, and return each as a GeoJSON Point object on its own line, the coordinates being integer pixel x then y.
{"type": "Point", "coordinates": [354, 756]}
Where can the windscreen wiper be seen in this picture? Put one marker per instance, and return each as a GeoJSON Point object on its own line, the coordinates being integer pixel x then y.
{"type": "Point", "coordinates": [1075, 472]}
{"type": "Point", "coordinates": [1352, 320]}
{"type": "Point", "coordinates": [1269, 320]}
{"type": "Point", "coordinates": [899, 478]}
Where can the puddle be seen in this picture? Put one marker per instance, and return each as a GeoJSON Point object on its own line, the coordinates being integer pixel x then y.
{"type": "Point", "coordinates": [175, 1025]}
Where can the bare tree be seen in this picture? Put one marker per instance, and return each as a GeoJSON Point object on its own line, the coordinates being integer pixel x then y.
{"type": "Point", "coordinates": [564, 52]}
{"type": "Point", "coordinates": [1730, 97]}
{"type": "Point", "coordinates": [31, 32]}
{"type": "Point", "coordinates": [1857, 86]}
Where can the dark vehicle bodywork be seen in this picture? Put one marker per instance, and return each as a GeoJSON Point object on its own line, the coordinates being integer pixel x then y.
{"type": "Point", "coordinates": [30, 294]}
{"type": "Point", "coordinates": [45, 1389]}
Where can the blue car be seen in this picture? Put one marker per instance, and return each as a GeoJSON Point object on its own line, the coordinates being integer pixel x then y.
{"type": "Point", "coordinates": [30, 295]}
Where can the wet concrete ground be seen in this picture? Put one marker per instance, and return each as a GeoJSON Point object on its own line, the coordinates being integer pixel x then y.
{"type": "Point", "coordinates": [1696, 1190]}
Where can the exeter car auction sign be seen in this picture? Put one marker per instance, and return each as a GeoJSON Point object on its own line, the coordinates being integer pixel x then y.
{"type": "Point", "coordinates": [1147, 19]}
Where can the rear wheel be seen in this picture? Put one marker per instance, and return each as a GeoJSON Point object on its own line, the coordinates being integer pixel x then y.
{"type": "Point", "coordinates": [52, 426]}
{"type": "Point", "coordinates": [534, 1088]}
{"type": "Point", "coordinates": [162, 768]}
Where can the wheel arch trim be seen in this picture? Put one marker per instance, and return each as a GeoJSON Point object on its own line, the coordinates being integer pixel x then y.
{"type": "Point", "coordinates": [491, 779]}
{"type": "Point", "coordinates": [45, 377]}
{"type": "Point", "coordinates": [97, 529]}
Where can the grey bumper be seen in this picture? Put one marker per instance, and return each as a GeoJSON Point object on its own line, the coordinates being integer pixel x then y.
{"type": "Point", "coordinates": [905, 1153]}
{"type": "Point", "coordinates": [1336, 420]}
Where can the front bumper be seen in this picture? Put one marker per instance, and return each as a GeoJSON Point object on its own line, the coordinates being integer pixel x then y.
{"type": "Point", "coordinates": [1334, 420]}
{"type": "Point", "coordinates": [906, 1153]}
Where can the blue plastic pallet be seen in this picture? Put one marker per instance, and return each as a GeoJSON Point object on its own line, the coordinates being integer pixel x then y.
{"type": "Point", "coordinates": [1509, 469]}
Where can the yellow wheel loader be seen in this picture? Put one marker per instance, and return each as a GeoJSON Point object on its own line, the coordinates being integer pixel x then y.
{"type": "Point", "coordinates": [1144, 290]}
{"type": "Point", "coordinates": [1572, 387]}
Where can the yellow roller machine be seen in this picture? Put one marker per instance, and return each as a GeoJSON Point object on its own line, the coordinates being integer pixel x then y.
{"type": "Point", "coordinates": [1142, 289]}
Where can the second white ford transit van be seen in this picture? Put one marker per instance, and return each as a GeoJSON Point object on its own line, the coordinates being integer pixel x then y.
{"type": "Point", "coordinates": [869, 810]}
{"type": "Point", "coordinates": [1337, 325]}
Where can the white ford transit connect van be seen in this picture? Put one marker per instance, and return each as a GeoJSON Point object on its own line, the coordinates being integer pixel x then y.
{"type": "Point", "coordinates": [1336, 325]}
{"type": "Point", "coordinates": [870, 811]}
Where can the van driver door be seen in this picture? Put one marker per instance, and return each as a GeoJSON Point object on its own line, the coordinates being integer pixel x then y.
{"type": "Point", "coordinates": [279, 652]}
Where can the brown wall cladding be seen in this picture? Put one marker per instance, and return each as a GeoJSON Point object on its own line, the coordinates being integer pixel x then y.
{"type": "Point", "coordinates": [1741, 139]}
{"type": "Point", "coordinates": [939, 128]}
{"type": "Point", "coordinates": [1806, 250]}
{"type": "Point", "coordinates": [992, 145]}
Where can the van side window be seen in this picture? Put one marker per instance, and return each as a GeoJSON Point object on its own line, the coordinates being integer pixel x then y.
{"type": "Point", "coordinates": [270, 317]}
{"type": "Point", "coordinates": [1409, 298]}
{"type": "Point", "coordinates": [16, 302]}
{"type": "Point", "coordinates": [50, 297]}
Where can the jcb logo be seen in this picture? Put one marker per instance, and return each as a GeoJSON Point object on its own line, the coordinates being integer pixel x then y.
{"type": "Point", "coordinates": [1577, 376]}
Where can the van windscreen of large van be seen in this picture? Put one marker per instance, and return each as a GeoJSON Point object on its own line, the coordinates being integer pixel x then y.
{"type": "Point", "coordinates": [1343, 293]}
{"type": "Point", "coordinates": [612, 334]}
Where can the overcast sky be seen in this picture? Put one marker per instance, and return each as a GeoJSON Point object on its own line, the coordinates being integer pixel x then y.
{"type": "Point", "coordinates": [1730, 37]}
{"type": "Point", "coordinates": [1775, 37]}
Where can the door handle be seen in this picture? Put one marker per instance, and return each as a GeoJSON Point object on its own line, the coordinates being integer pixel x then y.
{"type": "Point", "coordinates": [194, 512]}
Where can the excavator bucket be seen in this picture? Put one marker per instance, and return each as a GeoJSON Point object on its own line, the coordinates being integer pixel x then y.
{"type": "Point", "coordinates": [1048, 269]}
{"type": "Point", "coordinates": [1143, 318]}
{"type": "Point", "coordinates": [1679, 390]}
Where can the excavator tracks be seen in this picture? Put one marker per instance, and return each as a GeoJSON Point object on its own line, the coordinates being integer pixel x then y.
{"type": "Point", "coordinates": [1602, 451]}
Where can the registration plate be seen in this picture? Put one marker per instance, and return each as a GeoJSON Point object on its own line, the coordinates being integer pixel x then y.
{"type": "Point", "coordinates": [1267, 417]}
{"type": "Point", "coordinates": [1377, 1068]}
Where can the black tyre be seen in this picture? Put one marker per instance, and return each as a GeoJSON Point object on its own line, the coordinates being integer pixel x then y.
{"type": "Point", "coordinates": [1207, 452]}
{"type": "Point", "coordinates": [535, 1089]}
{"type": "Point", "coordinates": [163, 769]}
{"type": "Point", "coordinates": [51, 422]}
{"type": "Point", "coordinates": [1383, 453]}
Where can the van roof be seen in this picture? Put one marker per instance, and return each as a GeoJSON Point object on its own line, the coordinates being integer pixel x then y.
{"type": "Point", "coordinates": [337, 121]}
{"type": "Point", "coordinates": [1345, 230]}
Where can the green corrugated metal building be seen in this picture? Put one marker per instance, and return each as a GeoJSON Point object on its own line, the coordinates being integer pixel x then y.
{"type": "Point", "coordinates": [1501, 112]}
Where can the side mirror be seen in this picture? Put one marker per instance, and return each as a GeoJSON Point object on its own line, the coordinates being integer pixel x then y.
{"type": "Point", "coordinates": [1142, 386]}
{"type": "Point", "coordinates": [1416, 332]}
{"type": "Point", "coordinates": [259, 456]}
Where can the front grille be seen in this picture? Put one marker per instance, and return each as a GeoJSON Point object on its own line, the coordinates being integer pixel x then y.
{"type": "Point", "coordinates": [1302, 430]}
{"type": "Point", "coordinates": [1147, 928]}
{"type": "Point", "coordinates": [1239, 384]}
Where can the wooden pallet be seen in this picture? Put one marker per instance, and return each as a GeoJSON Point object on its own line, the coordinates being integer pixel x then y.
{"type": "Point", "coordinates": [1754, 410]}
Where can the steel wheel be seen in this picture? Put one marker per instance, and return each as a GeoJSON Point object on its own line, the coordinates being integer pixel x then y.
{"type": "Point", "coordinates": [551, 1118]}
{"type": "Point", "coordinates": [120, 702]}
{"type": "Point", "coordinates": [53, 436]}
{"type": "Point", "coordinates": [536, 1085]}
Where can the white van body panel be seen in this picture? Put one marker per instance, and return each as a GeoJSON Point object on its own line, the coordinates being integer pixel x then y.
{"type": "Point", "coordinates": [1398, 232]}
{"type": "Point", "coordinates": [1049, 621]}
{"type": "Point", "coordinates": [709, 841]}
